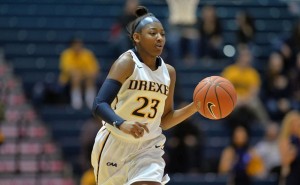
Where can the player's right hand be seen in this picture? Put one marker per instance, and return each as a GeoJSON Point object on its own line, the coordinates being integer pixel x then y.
{"type": "Point", "coordinates": [135, 129]}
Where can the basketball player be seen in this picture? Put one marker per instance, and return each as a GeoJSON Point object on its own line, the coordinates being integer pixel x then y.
{"type": "Point", "coordinates": [136, 103]}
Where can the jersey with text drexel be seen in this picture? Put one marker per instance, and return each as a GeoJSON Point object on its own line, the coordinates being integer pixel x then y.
{"type": "Point", "coordinates": [142, 98]}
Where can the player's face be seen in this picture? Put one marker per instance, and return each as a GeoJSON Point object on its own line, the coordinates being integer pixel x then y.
{"type": "Point", "coordinates": [152, 38]}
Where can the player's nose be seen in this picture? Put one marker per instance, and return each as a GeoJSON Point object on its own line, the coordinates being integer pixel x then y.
{"type": "Point", "coordinates": [159, 37]}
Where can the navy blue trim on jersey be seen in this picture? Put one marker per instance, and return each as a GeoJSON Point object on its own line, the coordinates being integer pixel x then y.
{"type": "Point", "coordinates": [99, 158]}
{"type": "Point", "coordinates": [103, 100]}
{"type": "Point", "coordinates": [158, 59]}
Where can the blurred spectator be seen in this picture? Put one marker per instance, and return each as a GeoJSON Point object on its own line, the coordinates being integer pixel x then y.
{"type": "Point", "coordinates": [276, 88]}
{"type": "Point", "coordinates": [246, 81]}
{"type": "Point", "coordinates": [119, 40]}
{"type": "Point", "coordinates": [245, 28]}
{"type": "Point", "coordinates": [88, 133]}
{"type": "Point", "coordinates": [2, 113]}
{"type": "Point", "coordinates": [294, 79]}
{"type": "Point", "coordinates": [2, 138]}
{"type": "Point", "coordinates": [211, 40]}
{"type": "Point", "coordinates": [2, 97]}
{"type": "Point", "coordinates": [88, 178]}
{"type": "Point", "coordinates": [290, 148]}
{"type": "Point", "coordinates": [239, 160]}
{"type": "Point", "coordinates": [294, 7]}
{"type": "Point", "coordinates": [79, 67]}
{"type": "Point", "coordinates": [268, 150]}
{"type": "Point", "coordinates": [2, 109]}
{"type": "Point", "coordinates": [291, 47]}
{"type": "Point", "coordinates": [241, 115]}
{"type": "Point", "coordinates": [184, 148]}
{"type": "Point", "coordinates": [182, 33]}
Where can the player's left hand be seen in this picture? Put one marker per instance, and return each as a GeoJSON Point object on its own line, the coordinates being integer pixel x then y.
{"type": "Point", "coordinates": [136, 129]}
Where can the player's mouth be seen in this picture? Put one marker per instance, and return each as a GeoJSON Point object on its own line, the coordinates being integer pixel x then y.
{"type": "Point", "coordinates": [159, 46]}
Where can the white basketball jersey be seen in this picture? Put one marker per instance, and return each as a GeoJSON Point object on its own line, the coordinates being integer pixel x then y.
{"type": "Point", "coordinates": [142, 98]}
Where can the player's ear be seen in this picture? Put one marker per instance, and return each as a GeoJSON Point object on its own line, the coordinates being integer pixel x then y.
{"type": "Point", "coordinates": [136, 37]}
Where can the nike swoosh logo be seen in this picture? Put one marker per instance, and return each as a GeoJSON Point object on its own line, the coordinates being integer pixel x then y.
{"type": "Point", "coordinates": [209, 106]}
{"type": "Point", "coordinates": [139, 67]}
{"type": "Point", "coordinates": [157, 146]}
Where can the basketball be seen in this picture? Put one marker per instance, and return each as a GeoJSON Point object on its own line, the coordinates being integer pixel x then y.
{"type": "Point", "coordinates": [215, 97]}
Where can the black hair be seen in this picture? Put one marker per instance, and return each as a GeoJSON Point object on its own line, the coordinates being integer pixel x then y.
{"type": "Point", "coordinates": [74, 40]}
{"type": "Point", "coordinates": [296, 32]}
{"type": "Point", "coordinates": [141, 12]}
{"type": "Point", "coordinates": [247, 131]}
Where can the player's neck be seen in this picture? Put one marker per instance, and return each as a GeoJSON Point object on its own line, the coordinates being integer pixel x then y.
{"type": "Point", "coordinates": [147, 59]}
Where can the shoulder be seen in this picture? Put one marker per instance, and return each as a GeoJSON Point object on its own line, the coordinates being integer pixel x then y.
{"type": "Point", "coordinates": [228, 153]}
{"type": "Point", "coordinates": [88, 51]}
{"type": "Point", "coordinates": [260, 145]}
{"type": "Point", "coordinates": [253, 74]}
{"type": "Point", "coordinates": [125, 61]}
{"type": "Point", "coordinates": [231, 67]}
{"type": "Point", "coordinates": [228, 150]}
{"type": "Point", "coordinates": [171, 70]}
{"type": "Point", "coordinates": [253, 152]}
{"type": "Point", "coordinates": [66, 52]}
{"type": "Point", "coordinates": [229, 71]}
{"type": "Point", "coordinates": [122, 68]}
{"type": "Point", "coordinates": [253, 70]}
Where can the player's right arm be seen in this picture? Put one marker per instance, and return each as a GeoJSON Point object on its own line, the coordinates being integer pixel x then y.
{"type": "Point", "coordinates": [170, 116]}
{"type": "Point", "coordinates": [121, 69]}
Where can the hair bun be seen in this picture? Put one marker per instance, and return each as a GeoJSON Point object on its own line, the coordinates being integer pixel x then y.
{"type": "Point", "coordinates": [140, 11]}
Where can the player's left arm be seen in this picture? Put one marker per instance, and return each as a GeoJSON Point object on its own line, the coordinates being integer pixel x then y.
{"type": "Point", "coordinates": [173, 117]}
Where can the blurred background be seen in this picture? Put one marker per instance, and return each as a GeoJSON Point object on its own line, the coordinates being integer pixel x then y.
{"type": "Point", "coordinates": [55, 54]}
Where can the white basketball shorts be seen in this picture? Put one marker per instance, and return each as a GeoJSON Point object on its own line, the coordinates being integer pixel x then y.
{"type": "Point", "coordinates": [118, 162]}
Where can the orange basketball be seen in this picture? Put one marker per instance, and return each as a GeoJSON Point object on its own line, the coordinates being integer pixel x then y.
{"type": "Point", "coordinates": [215, 97]}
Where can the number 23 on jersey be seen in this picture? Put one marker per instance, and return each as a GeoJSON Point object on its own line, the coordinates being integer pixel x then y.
{"type": "Point", "coordinates": [141, 112]}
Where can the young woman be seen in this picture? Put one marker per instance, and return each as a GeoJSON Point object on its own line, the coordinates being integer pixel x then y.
{"type": "Point", "coordinates": [289, 147]}
{"type": "Point", "coordinates": [237, 159]}
{"type": "Point", "coordinates": [136, 103]}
